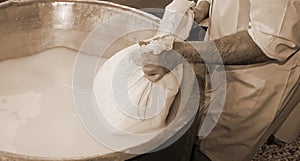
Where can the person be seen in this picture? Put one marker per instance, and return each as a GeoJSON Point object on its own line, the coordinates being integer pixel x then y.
{"type": "Point", "coordinates": [259, 44]}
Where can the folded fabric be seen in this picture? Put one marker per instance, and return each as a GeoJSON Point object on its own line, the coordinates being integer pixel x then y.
{"type": "Point", "coordinates": [175, 26]}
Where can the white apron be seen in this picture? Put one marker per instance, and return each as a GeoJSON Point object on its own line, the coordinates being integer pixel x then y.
{"type": "Point", "coordinates": [289, 131]}
{"type": "Point", "coordinates": [259, 97]}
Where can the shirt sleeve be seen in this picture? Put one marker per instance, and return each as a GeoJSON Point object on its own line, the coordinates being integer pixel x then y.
{"type": "Point", "coordinates": [275, 27]}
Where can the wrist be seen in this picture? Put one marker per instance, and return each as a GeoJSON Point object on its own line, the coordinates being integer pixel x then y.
{"type": "Point", "coordinates": [189, 51]}
{"type": "Point", "coordinates": [201, 11]}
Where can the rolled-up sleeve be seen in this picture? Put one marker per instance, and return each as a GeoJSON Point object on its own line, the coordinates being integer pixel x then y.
{"type": "Point", "coordinates": [275, 27]}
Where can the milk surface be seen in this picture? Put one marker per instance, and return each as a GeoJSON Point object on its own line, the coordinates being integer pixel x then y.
{"type": "Point", "coordinates": [37, 113]}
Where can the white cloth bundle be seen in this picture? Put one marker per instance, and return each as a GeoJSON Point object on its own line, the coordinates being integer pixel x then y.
{"type": "Point", "coordinates": [127, 99]}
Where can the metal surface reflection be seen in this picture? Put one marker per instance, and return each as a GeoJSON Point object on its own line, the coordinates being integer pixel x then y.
{"type": "Point", "coordinates": [31, 26]}
{"type": "Point", "coordinates": [28, 27]}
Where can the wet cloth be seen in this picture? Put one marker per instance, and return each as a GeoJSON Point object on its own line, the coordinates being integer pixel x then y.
{"type": "Point", "coordinates": [128, 100]}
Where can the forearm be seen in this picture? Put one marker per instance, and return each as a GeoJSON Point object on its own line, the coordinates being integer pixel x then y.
{"type": "Point", "coordinates": [235, 49]}
{"type": "Point", "coordinates": [201, 11]}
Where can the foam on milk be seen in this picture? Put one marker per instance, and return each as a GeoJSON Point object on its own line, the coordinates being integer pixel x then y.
{"type": "Point", "coordinates": [37, 114]}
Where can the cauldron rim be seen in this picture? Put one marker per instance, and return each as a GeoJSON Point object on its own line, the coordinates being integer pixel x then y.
{"type": "Point", "coordinates": [4, 155]}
